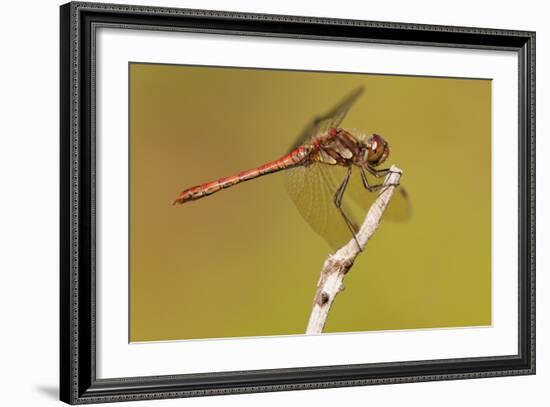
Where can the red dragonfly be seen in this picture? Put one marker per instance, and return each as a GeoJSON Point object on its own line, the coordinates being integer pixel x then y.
{"type": "Point", "coordinates": [319, 170]}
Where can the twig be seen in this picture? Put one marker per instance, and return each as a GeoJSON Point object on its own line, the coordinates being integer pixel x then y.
{"type": "Point", "coordinates": [338, 264]}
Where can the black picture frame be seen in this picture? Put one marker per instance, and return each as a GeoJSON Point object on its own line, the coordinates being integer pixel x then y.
{"type": "Point", "coordinates": [78, 382]}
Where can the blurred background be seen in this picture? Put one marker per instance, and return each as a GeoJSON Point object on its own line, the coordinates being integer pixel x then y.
{"type": "Point", "coordinates": [243, 262]}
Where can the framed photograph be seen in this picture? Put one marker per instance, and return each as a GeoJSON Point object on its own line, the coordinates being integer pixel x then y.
{"type": "Point", "coordinates": [225, 175]}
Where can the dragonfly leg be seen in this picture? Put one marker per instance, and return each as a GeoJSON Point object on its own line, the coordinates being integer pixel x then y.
{"type": "Point", "coordinates": [366, 184]}
{"type": "Point", "coordinates": [338, 203]}
{"type": "Point", "coordinates": [376, 173]}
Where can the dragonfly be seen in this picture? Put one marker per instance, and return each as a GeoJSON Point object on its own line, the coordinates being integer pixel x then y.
{"type": "Point", "coordinates": [326, 164]}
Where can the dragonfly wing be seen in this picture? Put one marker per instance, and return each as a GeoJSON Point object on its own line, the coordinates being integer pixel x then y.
{"type": "Point", "coordinates": [331, 119]}
{"type": "Point", "coordinates": [399, 209]}
{"type": "Point", "coordinates": [312, 189]}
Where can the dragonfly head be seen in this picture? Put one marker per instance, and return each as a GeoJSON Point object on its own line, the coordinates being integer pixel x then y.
{"type": "Point", "coordinates": [377, 150]}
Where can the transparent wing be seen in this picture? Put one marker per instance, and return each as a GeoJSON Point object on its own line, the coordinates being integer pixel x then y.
{"type": "Point", "coordinates": [329, 120]}
{"type": "Point", "coordinates": [312, 189]}
{"type": "Point", "coordinates": [399, 208]}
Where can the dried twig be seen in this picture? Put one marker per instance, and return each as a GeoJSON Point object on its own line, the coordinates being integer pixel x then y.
{"type": "Point", "coordinates": [338, 264]}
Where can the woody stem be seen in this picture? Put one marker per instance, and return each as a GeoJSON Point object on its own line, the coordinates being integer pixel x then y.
{"type": "Point", "coordinates": [338, 264]}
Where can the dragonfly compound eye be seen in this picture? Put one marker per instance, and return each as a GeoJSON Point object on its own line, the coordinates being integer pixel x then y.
{"type": "Point", "coordinates": [378, 150]}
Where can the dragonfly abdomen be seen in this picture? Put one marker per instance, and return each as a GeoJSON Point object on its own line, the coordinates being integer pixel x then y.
{"type": "Point", "coordinates": [295, 157]}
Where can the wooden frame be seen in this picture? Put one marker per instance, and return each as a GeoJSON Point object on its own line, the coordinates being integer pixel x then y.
{"type": "Point", "coordinates": [77, 278]}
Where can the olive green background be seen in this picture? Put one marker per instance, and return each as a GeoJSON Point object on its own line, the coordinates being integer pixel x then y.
{"type": "Point", "coordinates": [243, 262]}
